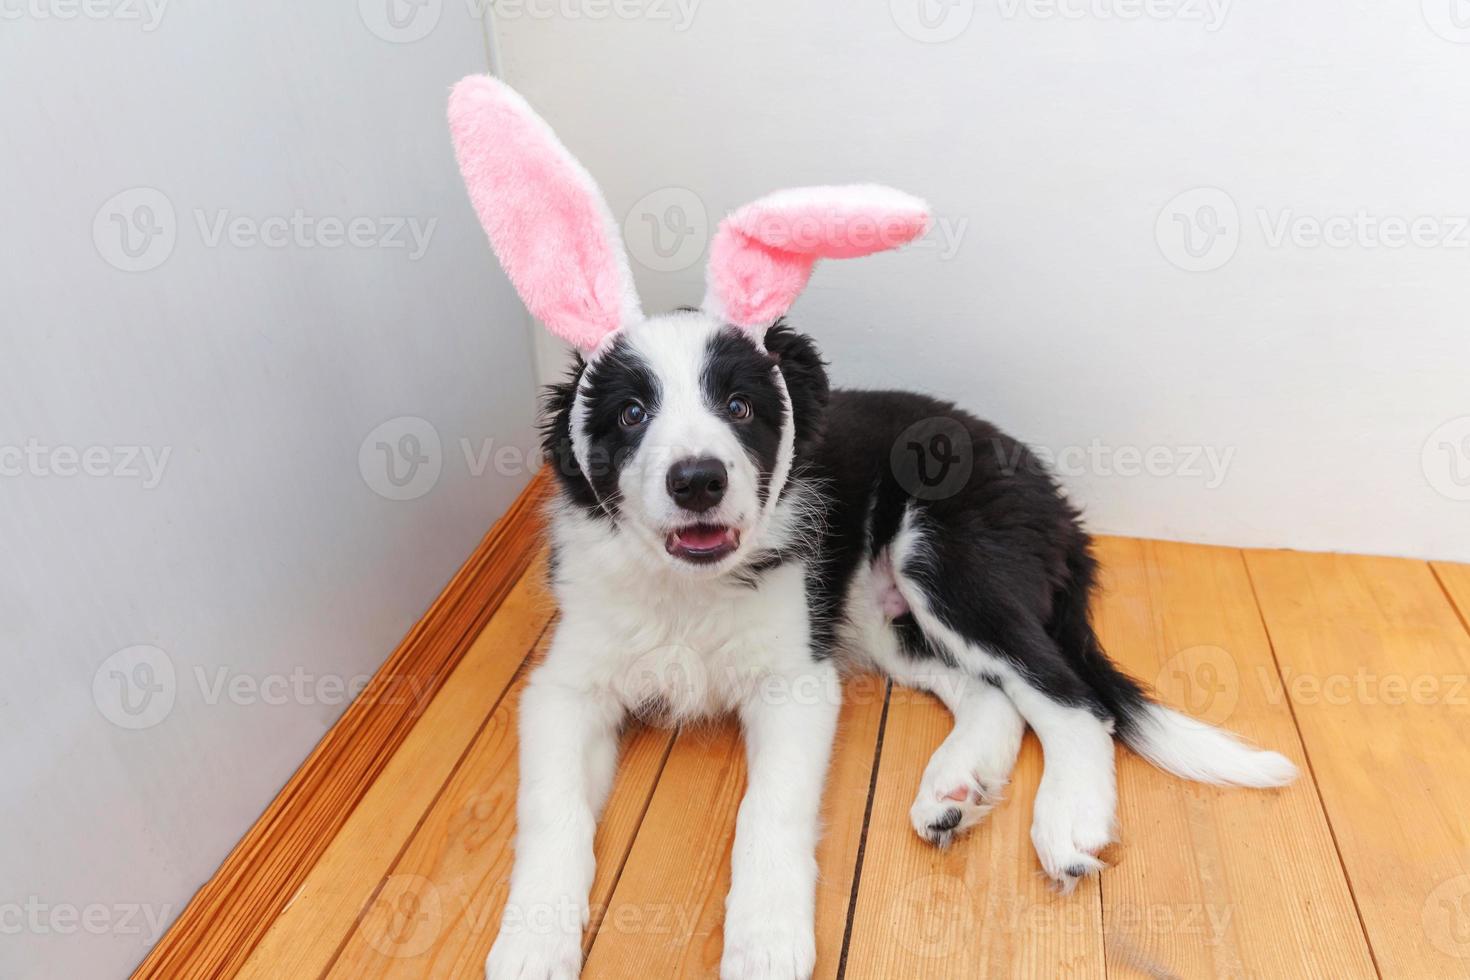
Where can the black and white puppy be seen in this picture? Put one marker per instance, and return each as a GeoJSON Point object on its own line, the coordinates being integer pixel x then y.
{"type": "Point", "coordinates": [729, 535]}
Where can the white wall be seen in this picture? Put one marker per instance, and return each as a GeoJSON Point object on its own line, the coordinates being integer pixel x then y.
{"type": "Point", "coordinates": [1055, 138]}
{"type": "Point", "coordinates": [261, 553]}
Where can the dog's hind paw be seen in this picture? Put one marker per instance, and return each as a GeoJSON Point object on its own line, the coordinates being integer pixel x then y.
{"type": "Point", "coordinates": [946, 808]}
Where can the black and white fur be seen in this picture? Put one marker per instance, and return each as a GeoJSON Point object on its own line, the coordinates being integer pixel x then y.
{"type": "Point", "coordinates": [979, 596]}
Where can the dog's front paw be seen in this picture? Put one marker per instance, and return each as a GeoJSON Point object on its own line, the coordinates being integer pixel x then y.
{"type": "Point", "coordinates": [522, 955]}
{"type": "Point", "coordinates": [768, 946]}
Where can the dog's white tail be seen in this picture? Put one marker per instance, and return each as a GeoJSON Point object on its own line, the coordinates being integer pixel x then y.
{"type": "Point", "coordinates": [1179, 744]}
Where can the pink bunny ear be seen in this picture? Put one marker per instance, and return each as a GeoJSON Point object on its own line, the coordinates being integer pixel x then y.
{"type": "Point", "coordinates": [762, 254]}
{"type": "Point", "coordinates": [545, 217]}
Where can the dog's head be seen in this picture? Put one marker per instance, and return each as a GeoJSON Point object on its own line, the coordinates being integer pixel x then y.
{"type": "Point", "coordinates": [685, 432]}
{"type": "Point", "coordinates": [683, 428]}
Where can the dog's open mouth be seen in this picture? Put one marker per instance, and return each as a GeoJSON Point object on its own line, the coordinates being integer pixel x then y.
{"type": "Point", "coordinates": [702, 542]}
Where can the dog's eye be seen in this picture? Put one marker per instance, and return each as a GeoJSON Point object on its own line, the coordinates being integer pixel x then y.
{"type": "Point", "coordinates": [739, 408]}
{"type": "Point", "coordinates": [632, 415]}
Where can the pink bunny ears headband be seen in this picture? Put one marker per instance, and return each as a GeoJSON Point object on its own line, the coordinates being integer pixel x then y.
{"type": "Point", "coordinates": [559, 245]}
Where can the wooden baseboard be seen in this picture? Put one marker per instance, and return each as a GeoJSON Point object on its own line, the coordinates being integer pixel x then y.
{"type": "Point", "coordinates": [227, 917]}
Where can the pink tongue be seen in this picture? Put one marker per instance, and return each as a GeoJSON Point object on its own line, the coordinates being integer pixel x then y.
{"type": "Point", "coordinates": [702, 538]}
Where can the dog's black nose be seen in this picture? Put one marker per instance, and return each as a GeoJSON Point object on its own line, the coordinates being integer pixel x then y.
{"type": "Point", "coordinates": [697, 484]}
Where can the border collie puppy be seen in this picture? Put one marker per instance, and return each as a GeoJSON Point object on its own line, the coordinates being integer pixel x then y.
{"type": "Point", "coordinates": [730, 535]}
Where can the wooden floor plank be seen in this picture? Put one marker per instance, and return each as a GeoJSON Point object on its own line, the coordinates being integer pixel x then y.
{"type": "Point", "coordinates": [1375, 661]}
{"type": "Point", "coordinates": [979, 909]}
{"type": "Point", "coordinates": [439, 910]}
{"type": "Point", "coordinates": [665, 916]}
{"type": "Point", "coordinates": [303, 938]}
{"type": "Point", "coordinates": [1455, 580]}
{"type": "Point", "coordinates": [844, 808]}
{"type": "Point", "coordinates": [1210, 881]}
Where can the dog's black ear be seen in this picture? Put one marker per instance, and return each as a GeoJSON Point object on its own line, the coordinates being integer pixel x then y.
{"type": "Point", "coordinates": [805, 374]}
{"type": "Point", "coordinates": [556, 433]}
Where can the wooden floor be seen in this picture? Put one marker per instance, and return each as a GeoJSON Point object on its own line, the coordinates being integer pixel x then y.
{"type": "Point", "coordinates": [1354, 667]}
